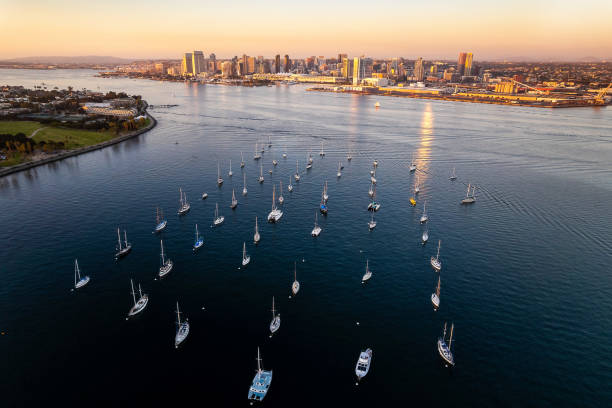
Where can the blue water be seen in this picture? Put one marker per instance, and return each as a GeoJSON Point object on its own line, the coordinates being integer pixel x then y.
{"type": "Point", "coordinates": [525, 277]}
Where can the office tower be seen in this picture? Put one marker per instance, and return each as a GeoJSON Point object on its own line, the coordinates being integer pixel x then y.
{"type": "Point", "coordinates": [197, 62]}
{"type": "Point", "coordinates": [467, 71]}
{"type": "Point", "coordinates": [461, 63]}
{"type": "Point", "coordinates": [212, 63]}
{"type": "Point", "coordinates": [186, 67]}
{"type": "Point", "coordinates": [362, 68]}
{"type": "Point", "coordinates": [277, 65]}
{"type": "Point", "coordinates": [433, 69]}
{"type": "Point", "coordinates": [419, 70]}
{"type": "Point", "coordinates": [251, 65]}
{"type": "Point", "coordinates": [226, 69]}
{"type": "Point", "coordinates": [287, 64]}
{"type": "Point", "coordinates": [341, 58]}
{"type": "Point", "coordinates": [347, 68]}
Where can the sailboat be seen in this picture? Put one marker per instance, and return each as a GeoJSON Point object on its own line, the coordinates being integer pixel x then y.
{"type": "Point", "coordinates": [269, 142]}
{"type": "Point", "coordinates": [245, 258]}
{"type": "Point", "coordinates": [122, 250]}
{"type": "Point", "coordinates": [444, 349]}
{"type": "Point", "coordinates": [297, 171]}
{"type": "Point", "coordinates": [417, 188]}
{"type": "Point", "coordinates": [234, 203]}
{"type": "Point", "coordinates": [182, 329]}
{"type": "Point", "coordinates": [373, 176]}
{"type": "Point", "coordinates": [275, 214]}
{"type": "Point", "coordinates": [261, 382]}
{"type": "Point", "coordinates": [244, 189]}
{"type": "Point", "coordinates": [310, 157]}
{"type": "Point", "coordinates": [290, 186]}
{"type": "Point", "coordinates": [218, 218]}
{"type": "Point", "coordinates": [281, 199]}
{"type": "Point", "coordinates": [276, 321]}
{"type": "Point", "coordinates": [184, 204]}
{"type": "Point", "coordinates": [295, 286]}
{"type": "Point", "coordinates": [436, 263]}
{"type": "Point", "coordinates": [219, 179]}
{"type": "Point", "coordinates": [374, 205]}
{"type": "Point", "coordinates": [204, 196]}
{"type": "Point", "coordinates": [424, 217]}
{"type": "Point", "coordinates": [323, 206]}
{"type": "Point", "coordinates": [325, 195]}
{"type": "Point", "coordinates": [166, 264]}
{"type": "Point", "coordinates": [453, 176]}
{"type": "Point", "coordinates": [257, 156]}
{"type": "Point", "coordinates": [261, 177]}
{"type": "Point", "coordinates": [256, 237]}
{"type": "Point", "coordinates": [372, 223]}
{"type": "Point", "coordinates": [78, 281]}
{"type": "Point", "coordinates": [241, 160]}
{"type": "Point", "coordinates": [161, 223]}
{"type": "Point", "coordinates": [231, 173]}
{"type": "Point", "coordinates": [349, 157]}
{"type": "Point", "coordinates": [316, 230]}
{"type": "Point", "coordinates": [435, 297]}
{"type": "Point", "coordinates": [425, 236]}
{"type": "Point", "coordinates": [368, 273]}
{"type": "Point", "coordinates": [199, 241]}
{"type": "Point", "coordinates": [322, 153]}
{"type": "Point", "coordinates": [363, 364]}
{"type": "Point", "coordinates": [469, 199]}
{"type": "Point", "coordinates": [285, 153]}
{"type": "Point", "coordinates": [339, 168]}
{"type": "Point", "coordinates": [412, 164]}
{"type": "Point", "coordinates": [375, 163]}
{"type": "Point", "coordinates": [141, 303]}
{"type": "Point", "coordinates": [371, 190]}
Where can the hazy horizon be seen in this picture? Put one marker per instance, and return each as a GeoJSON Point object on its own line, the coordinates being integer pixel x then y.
{"type": "Point", "coordinates": [533, 30]}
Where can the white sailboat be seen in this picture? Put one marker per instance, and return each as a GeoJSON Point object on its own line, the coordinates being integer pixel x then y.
{"type": "Point", "coordinates": [372, 223]}
{"type": "Point", "coordinates": [79, 281]}
{"type": "Point", "coordinates": [275, 214]}
{"type": "Point", "coordinates": [363, 364]}
{"type": "Point", "coordinates": [269, 142]}
{"type": "Point", "coordinates": [182, 329]}
{"type": "Point", "coordinates": [295, 286]}
{"type": "Point", "coordinates": [368, 274]}
{"type": "Point", "coordinates": [453, 176]}
{"type": "Point", "coordinates": [245, 258]}
{"type": "Point", "coordinates": [325, 195]}
{"type": "Point", "coordinates": [435, 297]}
{"type": "Point", "coordinates": [436, 263]}
{"type": "Point", "coordinates": [261, 177]}
{"type": "Point", "coordinates": [371, 190]}
{"type": "Point", "coordinates": [241, 160]}
{"type": "Point", "coordinates": [256, 237]}
{"type": "Point", "coordinates": [417, 188]}
{"type": "Point", "coordinates": [285, 153]}
{"type": "Point", "coordinates": [424, 217]}
{"type": "Point", "coordinates": [290, 186]}
{"type": "Point", "coordinates": [141, 303]}
{"type": "Point", "coordinates": [230, 173]}
{"type": "Point", "coordinates": [375, 163]}
{"type": "Point", "coordinates": [412, 164]}
{"type": "Point", "coordinates": [297, 171]}
{"type": "Point", "coordinates": [257, 156]}
{"type": "Point", "coordinates": [218, 218]}
{"type": "Point", "coordinates": [244, 189]}
{"type": "Point", "coordinates": [122, 249]}
{"type": "Point", "coordinates": [317, 229]}
{"type": "Point", "coordinates": [349, 157]}
{"type": "Point", "coordinates": [339, 168]}
{"type": "Point", "coordinates": [219, 179]}
{"type": "Point", "coordinates": [184, 205]}
{"type": "Point", "coordinates": [199, 241]}
{"type": "Point", "coordinates": [322, 153]}
{"type": "Point", "coordinates": [276, 321]}
{"type": "Point", "coordinates": [310, 157]}
{"type": "Point", "coordinates": [166, 263]}
{"type": "Point", "coordinates": [161, 223]}
{"type": "Point", "coordinates": [444, 349]}
{"type": "Point", "coordinates": [281, 199]}
{"type": "Point", "coordinates": [469, 199]}
{"type": "Point", "coordinates": [425, 236]}
{"type": "Point", "coordinates": [234, 203]}
{"type": "Point", "coordinates": [373, 176]}
{"type": "Point", "coordinates": [204, 196]}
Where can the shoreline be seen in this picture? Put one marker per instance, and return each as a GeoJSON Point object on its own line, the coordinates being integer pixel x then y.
{"type": "Point", "coordinates": [75, 152]}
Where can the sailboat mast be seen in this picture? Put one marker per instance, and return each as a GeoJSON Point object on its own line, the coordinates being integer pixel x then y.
{"type": "Point", "coordinates": [258, 362]}
{"type": "Point", "coordinates": [162, 251]}
{"type": "Point", "coordinates": [273, 314]}
{"type": "Point", "coordinates": [450, 341]}
{"type": "Point", "coordinates": [256, 224]}
{"type": "Point", "coordinates": [178, 314]}
{"type": "Point", "coordinates": [119, 239]}
{"type": "Point", "coordinates": [273, 197]}
{"type": "Point", "coordinates": [243, 250]}
{"type": "Point", "coordinates": [438, 255]}
{"type": "Point", "coordinates": [133, 293]}
{"type": "Point", "coordinates": [196, 233]}
{"type": "Point", "coordinates": [438, 288]}
{"type": "Point", "coordinates": [76, 272]}
{"type": "Point", "coordinates": [125, 237]}
{"type": "Point", "coordinates": [139, 290]}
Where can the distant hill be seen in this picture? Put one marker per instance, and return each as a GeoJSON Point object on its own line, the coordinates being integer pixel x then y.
{"type": "Point", "coordinates": [87, 59]}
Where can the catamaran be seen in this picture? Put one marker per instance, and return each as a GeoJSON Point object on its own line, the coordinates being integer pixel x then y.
{"type": "Point", "coordinates": [295, 286]}
{"type": "Point", "coordinates": [453, 176]}
{"type": "Point", "coordinates": [436, 263]}
{"type": "Point", "coordinates": [444, 349]}
{"type": "Point", "coordinates": [256, 237]}
{"type": "Point", "coordinates": [276, 321]}
{"type": "Point", "coordinates": [166, 263]}
{"type": "Point", "coordinates": [244, 189]}
{"type": "Point", "coordinates": [122, 250]}
{"type": "Point", "coordinates": [372, 223]}
{"type": "Point", "coordinates": [325, 194]}
{"type": "Point", "coordinates": [219, 179]}
{"type": "Point", "coordinates": [316, 230]}
{"type": "Point", "coordinates": [78, 281]}
{"type": "Point", "coordinates": [339, 170]}
{"type": "Point", "coordinates": [257, 156]}
{"type": "Point", "coordinates": [368, 273]}
{"type": "Point", "coordinates": [182, 329]}
{"type": "Point", "coordinates": [218, 218]}
{"type": "Point", "coordinates": [261, 177]}
{"type": "Point", "coordinates": [234, 203]}
{"type": "Point", "coordinates": [199, 241]}
{"type": "Point", "coordinates": [424, 217]}
{"type": "Point", "coordinates": [435, 297]}
{"type": "Point", "coordinates": [230, 173]}
{"type": "Point", "coordinates": [245, 258]}
{"type": "Point", "coordinates": [184, 204]}
{"type": "Point", "coordinates": [290, 186]}
{"type": "Point", "coordinates": [261, 382]}
{"type": "Point", "coordinates": [469, 199]}
{"type": "Point", "coordinates": [241, 160]}
{"type": "Point", "coordinates": [297, 171]}
{"type": "Point", "coordinates": [363, 364]}
{"type": "Point", "coordinates": [161, 222]}
{"type": "Point", "coordinates": [275, 214]}
{"type": "Point", "coordinates": [141, 303]}
{"type": "Point", "coordinates": [322, 153]}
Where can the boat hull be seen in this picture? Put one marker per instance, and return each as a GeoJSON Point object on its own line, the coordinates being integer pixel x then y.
{"type": "Point", "coordinates": [445, 352]}
{"type": "Point", "coordinates": [139, 306]}
{"type": "Point", "coordinates": [260, 386]}
{"type": "Point", "coordinates": [181, 334]}
{"type": "Point", "coordinates": [165, 268]}
{"type": "Point", "coordinates": [84, 281]}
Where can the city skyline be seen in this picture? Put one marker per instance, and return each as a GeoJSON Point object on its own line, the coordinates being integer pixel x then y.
{"type": "Point", "coordinates": [541, 30]}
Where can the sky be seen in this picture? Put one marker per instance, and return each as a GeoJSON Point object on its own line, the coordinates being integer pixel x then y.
{"type": "Point", "coordinates": [491, 29]}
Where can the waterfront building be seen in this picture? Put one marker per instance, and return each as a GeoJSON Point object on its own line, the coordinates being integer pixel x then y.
{"type": "Point", "coordinates": [347, 68]}
{"type": "Point", "coordinates": [277, 64]}
{"type": "Point", "coordinates": [186, 64]}
{"type": "Point", "coordinates": [461, 63]}
{"type": "Point", "coordinates": [419, 70]}
{"type": "Point", "coordinates": [198, 62]}
{"type": "Point", "coordinates": [251, 65]}
{"type": "Point", "coordinates": [467, 67]}
{"type": "Point", "coordinates": [287, 63]}
{"type": "Point", "coordinates": [362, 68]}
{"type": "Point", "coordinates": [506, 87]}
{"type": "Point", "coordinates": [227, 69]}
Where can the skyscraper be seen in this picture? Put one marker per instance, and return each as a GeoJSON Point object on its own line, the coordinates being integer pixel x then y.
{"type": "Point", "coordinates": [347, 68]}
{"type": "Point", "coordinates": [186, 64]}
{"type": "Point", "coordinates": [419, 70]}
{"type": "Point", "coordinates": [277, 65]}
{"type": "Point", "coordinates": [287, 64]}
{"type": "Point", "coordinates": [468, 64]}
{"type": "Point", "coordinates": [362, 68]}
{"type": "Point", "coordinates": [198, 64]}
{"type": "Point", "coordinates": [251, 65]}
{"type": "Point", "coordinates": [461, 63]}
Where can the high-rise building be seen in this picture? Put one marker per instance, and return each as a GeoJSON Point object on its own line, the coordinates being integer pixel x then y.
{"type": "Point", "coordinates": [226, 69]}
{"type": "Point", "coordinates": [362, 68]}
{"type": "Point", "coordinates": [287, 64]}
{"type": "Point", "coordinates": [461, 63]}
{"type": "Point", "coordinates": [251, 65]}
{"type": "Point", "coordinates": [186, 64]}
{"type": "Point", "coordinates": [347, 68]}
{"type": "Point", "coordinates": [341, 58]}
{"type": "Point", "coordinates": [467, 71]}
{"type": "Point", "coordinates": [419, 70]}
{"type": "Point", "coordinates": [212, 63]}
{"type": "Point", "coordinates": [277, 64]}
{"type": "Point", "coordinates": [198, 64]}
